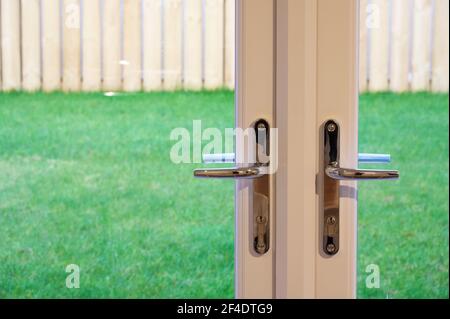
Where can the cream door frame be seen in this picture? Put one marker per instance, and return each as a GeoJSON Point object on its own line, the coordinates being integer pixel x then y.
{"type": "Point", "coordinates": [255, 99]}
{"type": "Point", "coordinates": [317, 80]}
{"type": "Point", "coordinates": [297, 67]}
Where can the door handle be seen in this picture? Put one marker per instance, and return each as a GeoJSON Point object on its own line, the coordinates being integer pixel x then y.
{"type": "Point", "coordinates": [333, 174]}
{"type": "Point", "coordinates": [257, 170]}
{"type": "Point", "coordinates": [332, 166]}
{"type": "Point", "coordinates": [260, 187]}
{"type": "Point", "coordinates": [348, 174]}
{"type": "Point", "coordinates": [235, 172]}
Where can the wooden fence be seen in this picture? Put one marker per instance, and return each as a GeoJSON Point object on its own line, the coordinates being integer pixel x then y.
{"type": "Point", "coordinates": [132, 45]}
{"type": "Point", "coordinates": [404, 45]}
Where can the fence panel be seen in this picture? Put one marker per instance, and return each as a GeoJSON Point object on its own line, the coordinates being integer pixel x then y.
{"type": "Point", "coordinates": [112, 70]}
{"type": "Point", "coordinates": [400, 45]}
{"type": "Point", "coordinates": [440, 49]}
{"type": "Point", "coordinates": [172, 44]}
{"type": "Point", "coordinates": [132, 46]}
{"type": "Point", "coordinates": [51, 45]}
{"type": "Point", "coordinates": [10, 12]}
{"type": "Point", "coordinates": [129, 45]}
{"type": "Point", "coordinates": [421, 57]}
{"type": "Point", "coordinates": [214, 43]}
{"type": "Point", "coordinates": [71, 45]}
{"type": "Point", "coordinates": [378, 22]}
{"type": "Point", "coordinates": [1, 44]}
{"type": "Point", "coordinates": [193, 44]}
{"type": "Point", "coordinates": [363, 32]}
{"type": "Point", "coordinates": [152, 44]}
{"type": "Point", "coordinates": [31, 48]}
{"type": "Point", "coordinates": [230, 30]}
{"type": "Point", "coordinates": [91, 39]}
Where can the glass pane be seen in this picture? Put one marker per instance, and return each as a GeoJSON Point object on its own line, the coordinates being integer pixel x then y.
{"type": "Point", "coordinates": [92, 204]}
{"type": "Point", "coordinates": [403, 247]}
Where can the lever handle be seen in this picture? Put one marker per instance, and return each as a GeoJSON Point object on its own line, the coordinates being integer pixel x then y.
{"type": "Point", "coordinates": [331, 159]}
{"type": "Point", "coordinates": [348, 174]}
{"type": "Point", "coordinates": [235, 172]}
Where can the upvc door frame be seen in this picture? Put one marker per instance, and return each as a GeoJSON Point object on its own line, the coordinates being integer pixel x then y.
{"type": "Point", "coordinates": [255, 99]}
{"type": "Point", "coordinates": [297, 67]}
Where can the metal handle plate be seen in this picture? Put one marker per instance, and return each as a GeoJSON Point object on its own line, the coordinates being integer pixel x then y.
{"type": "Point", "coordinates": [332, 175]}
{"type": "Point", "coordinates": [260, 185]}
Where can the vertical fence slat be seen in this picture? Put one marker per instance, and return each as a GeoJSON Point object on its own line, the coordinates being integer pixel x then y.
{"type": "Point", "coordinates": [71, 45]}
{"type": "Point", "coordinates": [363, 45]}
{"type": "Point", "coordinates": [132, 46]}
{"type": "Point", "coordinates": [214, 41]}
{"type": "Point", "coordinates": [152, 45]}
{"type": "Point", "coordinates": [10, 12]}
{"type": "Point", "coordinates": [421, 59]}
{"type": "Point", "coordinates": [51, 55]}
{"type": "Point", "coordinates": [172, 44]}
{"type": "Point", "coordinates": [1, 45]}
{"type": "Point", "coordinates": [112, 71]}
{"type": "Point", "coordinates": [379, 47]}
{"type": "Point", "coordinates": [31, 54]}
{"type": "Point", "coordinates": [400, 46]}
{"type": "Point", "coordinates": [441, 47]}
{"type": "Point", "coordinates": [91, 46]}
{"type": "Point", "coordinates": [230, 30]}
{"type": "Point", "coordinates": [193, 44]}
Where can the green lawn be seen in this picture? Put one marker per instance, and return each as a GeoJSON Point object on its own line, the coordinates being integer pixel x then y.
{"type": "Point", "coordinates": [87, 179]}
{"type": "Point", "coordinates": [403, 226]}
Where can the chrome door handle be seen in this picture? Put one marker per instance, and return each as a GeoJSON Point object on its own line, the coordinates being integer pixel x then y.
{"type": "Point", "coordinates": [262, 136]}
{"type": "Point", "coordinates": [332, 166]}
{"type": "Point", "coordinates": [348, 174]}
{"type": "Point", "coordinates": [235, 172]}
{"type": "Point", "coordinates": [332, 174]}
{"type": "Point", "coordinates": [260, 190]}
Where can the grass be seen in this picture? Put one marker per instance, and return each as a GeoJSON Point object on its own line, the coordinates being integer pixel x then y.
{"type": "Point", "coordinates": [87, 179]}
{"type": "Point", "coordinates": [403, 226]}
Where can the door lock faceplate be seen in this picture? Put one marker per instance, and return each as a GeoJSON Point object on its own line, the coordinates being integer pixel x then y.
{"type": "Point", "coordinates": [260, 186]}
{"type": "Point", "coordinates": [332, 175]}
